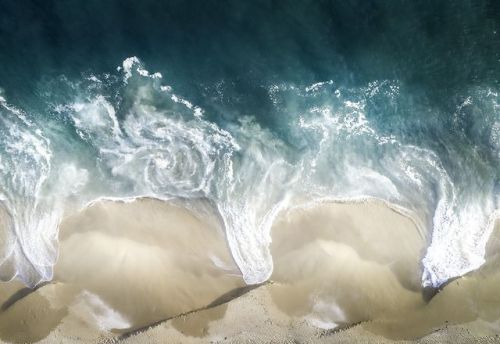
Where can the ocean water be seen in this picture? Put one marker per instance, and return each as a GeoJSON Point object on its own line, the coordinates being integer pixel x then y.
{"type": "Point", "coordinates": [251, 107]}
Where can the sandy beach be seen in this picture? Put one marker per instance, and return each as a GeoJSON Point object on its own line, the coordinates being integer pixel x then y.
{"type": "Point", "coordinates": [148, 271]}
{"type": "Point", "coordinates": [301, 171]}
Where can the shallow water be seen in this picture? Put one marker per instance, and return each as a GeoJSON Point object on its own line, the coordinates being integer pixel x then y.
{"type": "Point", "coordinates": [147, 268]}
{"type": "Point", "coordinates": [253, 107]}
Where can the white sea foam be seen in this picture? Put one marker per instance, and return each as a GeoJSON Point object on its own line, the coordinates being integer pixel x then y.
{"type": "Point", "coordinates": [326, 315]}
{"type": "Point", "coordinates": [142, 139]}
{"type": "Point", "coordinates": [28, 238]}
{"type": "Point", "coordinates": [96, 312]}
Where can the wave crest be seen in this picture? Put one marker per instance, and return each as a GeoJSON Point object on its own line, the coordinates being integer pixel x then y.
{"type": "Point", "coordinates": [129, 135]}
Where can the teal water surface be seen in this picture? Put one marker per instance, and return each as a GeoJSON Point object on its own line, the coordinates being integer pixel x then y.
{"type": "Point", "coordinates": [250, 107]}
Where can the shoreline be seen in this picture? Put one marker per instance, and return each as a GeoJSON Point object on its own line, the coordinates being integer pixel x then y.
{"type": "Point", "coordinates": [129, 270]}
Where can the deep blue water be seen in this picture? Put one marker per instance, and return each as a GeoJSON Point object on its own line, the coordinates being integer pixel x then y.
{"type": "Point", "coordinates": [258, 105]}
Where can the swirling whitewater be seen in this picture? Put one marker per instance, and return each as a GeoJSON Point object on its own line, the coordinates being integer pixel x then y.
{"type": "Point", "coordinates": [127, 134]}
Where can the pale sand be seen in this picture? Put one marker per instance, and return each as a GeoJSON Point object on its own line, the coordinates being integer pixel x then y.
{"type": "Point", "coordinates": [124, 266]}
{"type": "Point", "coordinates": [355, 266]}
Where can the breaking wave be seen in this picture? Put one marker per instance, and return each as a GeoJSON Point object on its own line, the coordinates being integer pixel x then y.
{"type": "Point", "coordinates": [127, 134]}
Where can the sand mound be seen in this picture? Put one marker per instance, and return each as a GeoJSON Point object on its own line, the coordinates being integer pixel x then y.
{"type": "Point", "coordinates": [123, 266]}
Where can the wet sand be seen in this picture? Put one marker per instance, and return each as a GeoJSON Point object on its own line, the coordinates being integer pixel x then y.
{"type": "Point", "coordinates": [122, 266]}
{"type": "Point", "coordinates": [148, 271]}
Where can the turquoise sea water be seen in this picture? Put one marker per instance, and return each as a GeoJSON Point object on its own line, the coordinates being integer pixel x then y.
{"type": "Point", "coordinates": [252, 106]}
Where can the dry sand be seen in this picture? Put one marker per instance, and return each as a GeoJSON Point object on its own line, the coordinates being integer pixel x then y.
{"type": "Point", "coordinates": [343, 272]}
